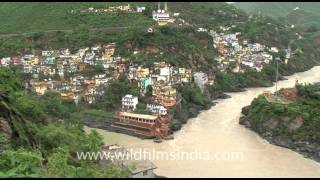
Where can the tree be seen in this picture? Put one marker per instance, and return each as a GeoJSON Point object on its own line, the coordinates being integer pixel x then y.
{"type": "Point", "coordinates": [312, 29]}
{"type": "Point", "coordinates": [148, 11]}
{"type": "Point", "coordinates": [58, 167]}
{"type": "Point", "coordinates": [27, 105]}
{"type": "Point", "coordinates": [4, 143]}
{"type": "Point", "coordinates": [192, 94]}
{"type": "Point", "coordinates": [21, 163]}
{"type": "Point", "coordinates": [149, 91]}
{"type": "Point", "coordinates": [114, 92]}
{"type": "Point", "coordinates": [55, 106]}
{"type": "Point", "coordinates": [9, 82]}
{"type": "Point", "coordinates": [141, 109]}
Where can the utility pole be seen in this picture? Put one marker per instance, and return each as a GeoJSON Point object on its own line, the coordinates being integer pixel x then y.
{"type": "Point", "coordinates": [277, 73]}
{"type": "Point", "coordinates": [165, 6]}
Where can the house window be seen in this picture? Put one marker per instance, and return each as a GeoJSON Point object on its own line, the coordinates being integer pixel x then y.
{"type": "Point", "coordinates": [145, 173]}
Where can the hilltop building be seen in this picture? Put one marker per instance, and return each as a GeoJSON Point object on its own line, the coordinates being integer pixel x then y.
{"type": "Point", "coordinates": [162, 16]}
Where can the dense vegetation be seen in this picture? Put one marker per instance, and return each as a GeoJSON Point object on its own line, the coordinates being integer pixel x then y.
{"type": "Point", "coordinates": [306, 16]}
{"type": "Point", "coordinates": [209, 14]}
{"type": "Point", "coordinates": [262, 114]}
{"type": "Point", "coordinates": [45, 135]}
{"type": "Point", "coordinates": [45, 16]}
{"type": "Point", "coordinates": [190, 101]}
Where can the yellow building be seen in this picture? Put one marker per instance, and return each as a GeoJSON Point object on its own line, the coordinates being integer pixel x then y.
{"type": "Point", "coordinates": [75, 60]}
{"type": "Point", "coordinates": [142, 72]}
{"type": "Point", "coordinates": [40, 88]}
{"type": "Point", "coordinates": [162, 23]}
{"type": "Point", "coordinates": [185, 75]}
{"type": "Point", "coordinates": [167, 95]}
{"type": "Point", "coordinates": [124, 7]}
{"type": "Point", "coordinates": [109, 50]}
{"type": "Point", "coordinates": [34, 61]}
{"type": "Point", "coordinates": [67, 95]}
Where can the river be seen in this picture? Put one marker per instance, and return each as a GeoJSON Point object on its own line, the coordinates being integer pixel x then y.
{"type": "Point", "coordinates": [218, 132]}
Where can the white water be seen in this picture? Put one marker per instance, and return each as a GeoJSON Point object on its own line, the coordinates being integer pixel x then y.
{"type": "Point", "coordinates": [218, 130]}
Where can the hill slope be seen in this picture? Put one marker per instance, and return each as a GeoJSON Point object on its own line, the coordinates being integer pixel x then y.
{"type": "Point", "coordinates": [44, 16]}
{"type": "Point", "coordinates": [278, 9]}
{"type": "Point", "coordinates": [310, 15]}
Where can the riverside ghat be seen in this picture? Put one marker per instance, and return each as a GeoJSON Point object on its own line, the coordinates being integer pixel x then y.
{"type": "Point", "coordinates": [146, 126]}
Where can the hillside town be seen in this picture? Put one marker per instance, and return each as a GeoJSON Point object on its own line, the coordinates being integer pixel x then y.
{"type": "Point", "coordinates": [83, 76]}
{"type": "Point", "coordinates": [239, 55]}
{"type": "Point", "coordinates": [111, 9]}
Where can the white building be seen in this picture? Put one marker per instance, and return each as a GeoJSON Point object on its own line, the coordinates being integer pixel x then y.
{"type": "Point", "coordinates": [157, 109]}
{"type": "Point", "coordinates": [176, 14]}
{"type": "Point", "coordinates": [274, 49]}
{"type": "Point", "coordinates": [165, 71]}
{"type": "Point", "coordinates": [161, 15]}
{"type": "Point", "coordinates": [248, 63]}
{"type": "Point", "coordinates": [141, 9]}
{"type": "Point", "coordinates": [129, 102]}
{"type": "Point", "coordinates": [47, 53]}
{"type": "Point", "coordinates": [201, 79]}
{"type": "Point", "coordinates": [5, 61]}
{"type": "Point", "coordinates": [202, 30]}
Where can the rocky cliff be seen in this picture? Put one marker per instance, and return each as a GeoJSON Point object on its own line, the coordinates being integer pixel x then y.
{"type": "Point", "coordinates": [13, 126]}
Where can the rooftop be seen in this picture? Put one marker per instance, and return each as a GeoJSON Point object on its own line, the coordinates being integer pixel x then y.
{"type": "Point", "coordinates": [143, 116]}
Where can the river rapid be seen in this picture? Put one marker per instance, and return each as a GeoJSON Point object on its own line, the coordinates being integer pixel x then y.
{"type": "Point", "coordinates": [217, 131]}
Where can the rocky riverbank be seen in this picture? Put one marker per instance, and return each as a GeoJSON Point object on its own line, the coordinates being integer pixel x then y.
{"type": "Point", "coordinates": [266, 131]}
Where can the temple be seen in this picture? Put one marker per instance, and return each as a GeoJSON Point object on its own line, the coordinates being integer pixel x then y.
{"type": "Point", "coordinates": [161, 15]}
{"type": "Point", "coordinates": [142, 125]}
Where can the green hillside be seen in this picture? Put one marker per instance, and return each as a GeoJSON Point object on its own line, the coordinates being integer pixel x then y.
{"type": "Point", "coordinates": [308, 13]}
{"type": "Point", "coordinates": [278, 9]}
{"type": "Point", "coordinates": [44, 16]}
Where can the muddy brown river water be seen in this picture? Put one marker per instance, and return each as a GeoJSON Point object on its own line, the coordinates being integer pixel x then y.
{"type": "Point", "coordinates": [235, 151]}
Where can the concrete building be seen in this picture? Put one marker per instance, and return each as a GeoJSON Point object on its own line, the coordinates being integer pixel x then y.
{"type": "Point", "coordinates": [141, 9]}
{"type": "Point", "coordinates": [201, 79]}
{"type": "Point", "coordinates": [157, 109]}
{"type": "Point", "coordinates": [129, 102]}
{"type": "Point", "coordinates": [161, 15]}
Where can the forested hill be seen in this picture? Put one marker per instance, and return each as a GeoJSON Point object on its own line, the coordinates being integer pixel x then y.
{"type": "Point", "coordinates": [75, 31]}
{"type": "Point", "coordinates": [278, 9]}
{"type": "Point", "coordinates": [297, 13]}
